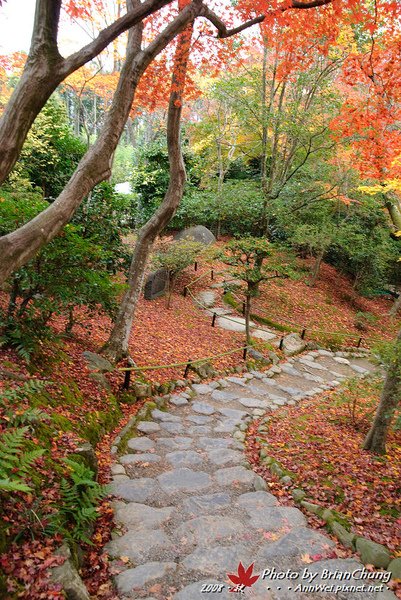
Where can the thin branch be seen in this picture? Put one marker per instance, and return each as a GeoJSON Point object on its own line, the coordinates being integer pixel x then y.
{"type": "Point", "coordinates": [223, 32]}
{"type": "Point", "coordinates": [222, 27]}
{"type": "Point", "coordinates": [107, 35]}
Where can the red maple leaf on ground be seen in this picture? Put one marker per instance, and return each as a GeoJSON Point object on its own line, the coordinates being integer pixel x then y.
{"type": "Point", "coordinates": [244, 577]}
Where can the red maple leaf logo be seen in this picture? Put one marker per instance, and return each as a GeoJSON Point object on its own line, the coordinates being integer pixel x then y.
{"type": "Point", "coordinates": [244, 578]}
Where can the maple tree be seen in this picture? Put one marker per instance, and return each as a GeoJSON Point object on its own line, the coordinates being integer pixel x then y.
{"type": "Point", "coordinates": [45, 69]}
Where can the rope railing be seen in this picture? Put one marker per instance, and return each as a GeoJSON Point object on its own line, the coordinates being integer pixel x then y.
{"type": "Point", "coordinates": [187, 364]}
{"type": "Point", "coordinates": [301, 328]}
{"type": "Point", "coordinates": [244, 349]}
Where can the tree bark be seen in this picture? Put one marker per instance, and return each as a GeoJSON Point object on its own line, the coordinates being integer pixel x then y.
{"type": "Point", "coordinates": [45, 69]}
{"type": "Point", "coordinates": [21, 245]}
{"type": "Point", "coordinates": [316, 268]}
{"type": "Point", "coordinates": [247, 318]}
{"type": "Point", "coordinates": [390, 398]}
{"type": "Point", "coordinates": [392, 204]}
{"type": "Point", "coordinates": [117, 345]}
{"type": "Point", "coordinates": [396, 306]}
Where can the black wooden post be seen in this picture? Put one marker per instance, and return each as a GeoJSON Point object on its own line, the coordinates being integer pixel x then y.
{"type": "Point", "coordinates": [214, 319]}
{"type": "Point", "coordinates": [127, 380]}
{"type": "Point", "coordinates": [303, 334]}
{"type": "Point", "coordinates": [187, 368]}
{"type": "Point", "coordinates": [185, 291]}
{"type": "Point", "coordinates": [245, 352]}
{"type": "Point", "coordinates": [359, 342]}
{"type": "Point", "coordinates": [212, 274]}
{"type": "Point", "coordinates": [281, 343]}
{"type": "Point", "coordinates": [196, 265]}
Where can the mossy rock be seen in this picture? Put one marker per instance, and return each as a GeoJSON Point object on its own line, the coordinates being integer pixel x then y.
{"type": "Point", "coordinates": [345, 537]}
{"type": "Point", "coordinates": [298, 495]}
{"type": "Point", "coordinates": [372, 553]}
{"type": "Point", "coordinates": [86, 455]}
{"type": "Point", "coordinates": [327, 515]}
{"type": "Point", "coordinates": [276, 469]}
{"type": "Point", "coordinates": [395, 568]}
{"type": "Point", "coordinates": [310, 507]}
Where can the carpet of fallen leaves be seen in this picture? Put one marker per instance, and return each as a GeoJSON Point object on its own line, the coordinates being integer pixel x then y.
{"type": "Point", "coordinates": [331, 305]}
{"type": "Point", "coordinates": [320, 443]}
{"type": "Point", "coordinates": [160, 335]}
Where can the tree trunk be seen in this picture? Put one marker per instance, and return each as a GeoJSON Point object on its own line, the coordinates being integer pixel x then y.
{"type": "Point", "coordinates": [396, 306]}
{"type": "Point", "coordinates": [389, 400]}
{"type": "Point", "coordinates": [393, 206]}
{"type": "Point", "coordinates": [265, 112]}
{"type": "Point", "coordinates": [45, 69]}
{"type": "Point", "coordinates": [316, 268]}
{"type": "Point", "coordinates": [220, 183]}
{"type": "Point", "coordinates": [117, 345]}
{"type": "Point", "coordinates": [21, 245]}
{"type": "Point", "coordinates": [247, 319]}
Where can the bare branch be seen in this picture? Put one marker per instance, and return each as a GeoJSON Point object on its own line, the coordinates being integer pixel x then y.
{"type": "Point", "coordinates": [311, 4]}
{"type": "Point", "coordinates": [221, 26]}
{"type": "Point", "coordinates": [223, 32]}
{"type": "Point", "coordinates": [110, 33]}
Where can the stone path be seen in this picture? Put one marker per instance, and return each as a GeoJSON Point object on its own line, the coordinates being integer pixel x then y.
{"type": "Point", "coordinates": [189, 509]}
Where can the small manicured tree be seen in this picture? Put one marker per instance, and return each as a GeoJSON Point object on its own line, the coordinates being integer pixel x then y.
{"type": "Point", "coordinates": [175, 258]}
{"type": "Point", "coordinates": [247, 258]}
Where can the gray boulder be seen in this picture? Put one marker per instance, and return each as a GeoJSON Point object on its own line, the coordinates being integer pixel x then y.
{"type": "Point", "coordinates": [372, 553]}
{"type": "Point", "coordinates": [293, 344]}
{"type": "Point", "coordinates": [68, 577]}
{"type": "Point", "coordinates": [97, 362]}
{"type": "Point", "coordinates": [198, 234]}
{"type": "Point", "coordinates": [156, 284]}
{"type": "Point", "coordinates": [256, 355]}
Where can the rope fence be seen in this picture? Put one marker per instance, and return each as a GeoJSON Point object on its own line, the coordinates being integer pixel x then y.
{"type": "Point", "coordinates": [187, 364]}
{"type": "Point", "coordinates": [303, 330]}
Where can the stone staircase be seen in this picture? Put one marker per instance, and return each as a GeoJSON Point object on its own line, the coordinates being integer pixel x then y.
{"type": "Point", "coordinates": [189, 508]}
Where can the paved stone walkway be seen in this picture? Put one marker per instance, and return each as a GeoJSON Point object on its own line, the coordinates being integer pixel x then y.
{"type": "Point", "coordinates": [189, 508]}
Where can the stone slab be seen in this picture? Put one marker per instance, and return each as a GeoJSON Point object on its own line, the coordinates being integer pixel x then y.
{"type": "Point", "coordinates": [225, 456]}
{"type": "Point", "coordinates": [203, 408]}
{"type": "Point", "coordinates": [160, 415]}
{"type": "Point", "coordinates": [201, 505]}
{"type": "Point", "coordinates": [139, 547]}
{"type": "Point", "coordinates": [177, 443]}
{"type": "Point", "coordinates": [141, 444]}
{"type": "Point", "coordinates": [137, 490]}
{"type": "Point", "coordinates": [139, 577]}
{"type": "Point", "coordinates": [133, 459]}
{"type": "Point", "coordinates": [148, 427]}
{"type": "Point", "coordinates": [140, 516]}
{"type": "Point", "coordinates": [184, 480]}
{"type": "Point", "coordinates": [203, 531]}
{"type": "Point", "coordinates": [234, 476]}
{"type": "Point", "coordinates": [184, 458]}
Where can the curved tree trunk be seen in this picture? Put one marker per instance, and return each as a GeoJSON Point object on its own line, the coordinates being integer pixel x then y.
{"type": "Point", "coordinates": [117, 345]}
{"type": "Point", "coordinates": [45, 69]}
{"type": "Point", "coordinates": [21, 245]}
{"type": "Point", "coordinates": [390, 398]}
